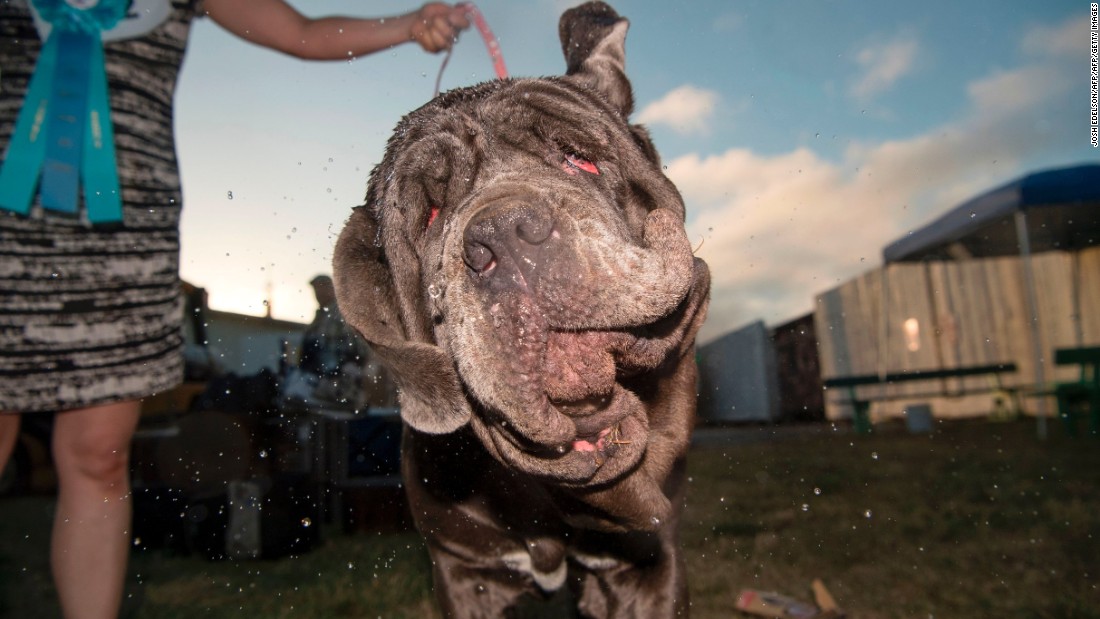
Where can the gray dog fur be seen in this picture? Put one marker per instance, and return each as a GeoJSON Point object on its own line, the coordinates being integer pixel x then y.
{"type": "Point", "coordinates": [521, 265]}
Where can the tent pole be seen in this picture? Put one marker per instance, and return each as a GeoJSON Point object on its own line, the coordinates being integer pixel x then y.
{"type": "Point", "coordinates": [884, 323]}
{"type": "Point", "coordinates": [1024, 238]}
{"type": "Point", "coordinates": [1078, 325]}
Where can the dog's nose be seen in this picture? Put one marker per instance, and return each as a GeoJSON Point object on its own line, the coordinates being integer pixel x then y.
{"type": "Point", "coordinates": [503, 242]}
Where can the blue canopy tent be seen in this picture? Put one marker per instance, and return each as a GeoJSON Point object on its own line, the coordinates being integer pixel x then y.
{"type": "Point", "coordinates": [1060, 207]}
{"type": "Point", "coordinates": [1050, 210]}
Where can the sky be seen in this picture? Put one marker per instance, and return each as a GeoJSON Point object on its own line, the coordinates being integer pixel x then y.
{"type": "Point", "coordinates": [804, 136]}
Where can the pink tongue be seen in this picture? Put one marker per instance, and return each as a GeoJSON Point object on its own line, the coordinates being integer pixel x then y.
{"type": "Point", "coordinates": [583, 445]}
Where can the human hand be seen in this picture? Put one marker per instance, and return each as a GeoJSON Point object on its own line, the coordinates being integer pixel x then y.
{"type": "Point", "coordinates": [437, 24]}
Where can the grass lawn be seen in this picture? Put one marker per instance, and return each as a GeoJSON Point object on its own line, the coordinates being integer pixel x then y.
{"type": "Point", "coordinates": [975, 520]}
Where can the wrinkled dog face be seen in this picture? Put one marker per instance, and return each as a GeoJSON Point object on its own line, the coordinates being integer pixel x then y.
{"type": "Point", "coordinates": [533, 253]}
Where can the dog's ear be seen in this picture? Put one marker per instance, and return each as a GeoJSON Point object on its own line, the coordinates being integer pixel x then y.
{"type": "Point", "coordinates": [593, 38]}
{"type": "Point", "coordinates": [432, 400]}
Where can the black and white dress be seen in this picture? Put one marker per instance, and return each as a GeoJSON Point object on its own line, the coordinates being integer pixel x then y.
{"type": "Point", "coordinates": [91, 316]}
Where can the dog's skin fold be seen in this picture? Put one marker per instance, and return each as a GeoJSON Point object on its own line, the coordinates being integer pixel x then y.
{"type": "Point", "coordinates": [521, 265]}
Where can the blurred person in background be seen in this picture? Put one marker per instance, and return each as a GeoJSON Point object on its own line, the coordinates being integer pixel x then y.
{"type": "Point", "coordinates": [332, 360]}
{"type": "Point", "coordinates": [328, 343]}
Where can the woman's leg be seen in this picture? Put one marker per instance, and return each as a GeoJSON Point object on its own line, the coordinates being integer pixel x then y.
{"type": "Point", "coordinates": [91, 532]}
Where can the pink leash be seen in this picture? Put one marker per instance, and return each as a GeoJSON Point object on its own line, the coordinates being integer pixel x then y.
{"type": "Point", "coordinates": [487, 35]}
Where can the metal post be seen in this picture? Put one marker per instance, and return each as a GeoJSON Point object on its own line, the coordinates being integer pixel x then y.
{"type": "Point", "coordinates": [1023, 237]}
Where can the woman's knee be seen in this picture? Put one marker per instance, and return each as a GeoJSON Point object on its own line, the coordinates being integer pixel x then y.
{"type": "Point", "coordinates": [93, 461]}
{"type": "Point", "coordinates": [94, 444]}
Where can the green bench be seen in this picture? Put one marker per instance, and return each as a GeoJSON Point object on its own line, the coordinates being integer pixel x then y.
{"type": "Point", "coordinates": [861, 407]}
{"type": "Point", "coordinates": [1082, 395]}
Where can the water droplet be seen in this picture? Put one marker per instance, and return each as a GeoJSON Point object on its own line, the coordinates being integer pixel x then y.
{"type": "Point", "coordinates": [817, 491]}
{"type": "Point", "coordinates": [307, 522]}
{"type": "Point", "coordinates": [229, 194]}
{"type": "Point", "coordinates": [867, 514]}
{"type": "Point", "coordinates": [874, 455]}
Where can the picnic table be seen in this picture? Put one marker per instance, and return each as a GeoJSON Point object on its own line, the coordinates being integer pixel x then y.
{"type": "Point", "coordinates": [861, 406]}
{"type": "Point", "coordinates": [1082, 394]}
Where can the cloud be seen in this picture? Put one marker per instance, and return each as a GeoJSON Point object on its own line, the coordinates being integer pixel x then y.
{"type": "Point", "coordinates": [728, 22]}
{"type": "Point", "coordinates": [776, 230]}
{"type": "Point", "coordinates": [1070, 38]}
{"type": "Point", "coordinates": [883, 65]}
{"type": "Point", "coordinates": [686, 109]}
{"type": "Point", "coordinates": [1022, 89]}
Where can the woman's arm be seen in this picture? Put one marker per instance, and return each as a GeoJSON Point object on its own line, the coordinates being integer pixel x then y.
{"type": "Point", "coordinates": [277, 25]}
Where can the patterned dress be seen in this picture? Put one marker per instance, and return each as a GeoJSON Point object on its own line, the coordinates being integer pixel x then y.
{"type": "Point", "coordinates": [90, 316]}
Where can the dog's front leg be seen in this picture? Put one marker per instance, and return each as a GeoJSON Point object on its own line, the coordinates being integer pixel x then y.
{"type": "Point", "coordinates": [610, 589]}
{"type": "Point", "coordinates": [634, 575]}
{"type": "Point", "coordinates": [470, 591]}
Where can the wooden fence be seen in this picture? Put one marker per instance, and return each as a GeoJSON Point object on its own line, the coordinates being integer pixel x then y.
{"type": "Point", "coordinates": [946, 314]}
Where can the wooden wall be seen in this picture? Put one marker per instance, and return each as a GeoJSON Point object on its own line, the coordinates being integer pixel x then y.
{"type": "Point", "coordinates": [971, 312]}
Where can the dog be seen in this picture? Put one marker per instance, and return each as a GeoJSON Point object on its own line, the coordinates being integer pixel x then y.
{"type": "Point", "coordinates": [522, 267]}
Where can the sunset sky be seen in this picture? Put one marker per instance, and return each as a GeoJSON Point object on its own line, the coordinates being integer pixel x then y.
{"type": "Point", "coordinates": [804, 136]}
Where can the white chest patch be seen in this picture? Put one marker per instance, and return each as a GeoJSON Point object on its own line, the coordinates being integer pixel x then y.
{"type": "Point", "coordinates": [595, 563]}
{"type": "Point", "coordinates": [520, 561]}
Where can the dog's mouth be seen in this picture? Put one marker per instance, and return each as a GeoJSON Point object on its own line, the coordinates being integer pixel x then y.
{"type": "Point", "coordinates": [597, 426]}
{"type": "Point", "coordinates": [572, 409]}
{"type": "Point", "coordinates": [588, 426]}
{"type": "Point", "coordinates": [597, 422]}
{"type": "Point", "coordinates": [608, 438]}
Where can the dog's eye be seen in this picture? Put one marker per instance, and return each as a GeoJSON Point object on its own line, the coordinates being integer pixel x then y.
{"type": "Point", "coordinates": [573, 163]}
{"type": "Point", "coordinates": [433, 212]}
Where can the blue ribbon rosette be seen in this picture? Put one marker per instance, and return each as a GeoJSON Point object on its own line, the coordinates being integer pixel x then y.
{"type": "Point", "coordinates": [63, 136]}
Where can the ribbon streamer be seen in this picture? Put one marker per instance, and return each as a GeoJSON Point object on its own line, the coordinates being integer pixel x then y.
{"type": "Point", "coordinates": [63, 134]}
